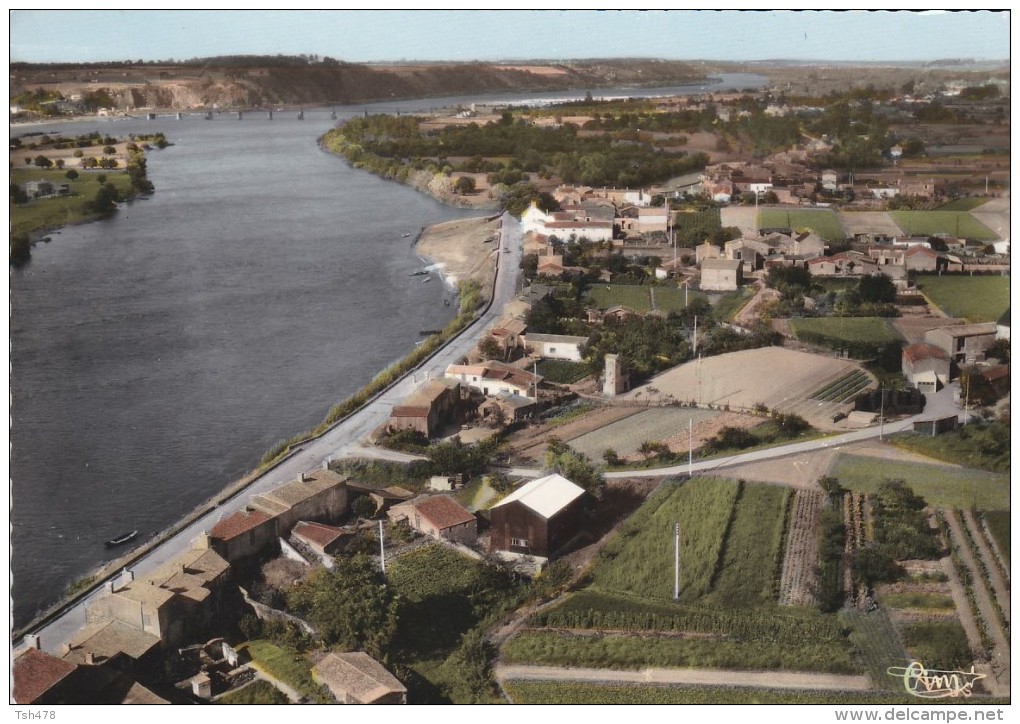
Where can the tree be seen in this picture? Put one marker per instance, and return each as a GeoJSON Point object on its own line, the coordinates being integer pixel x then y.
{"type": "Point", "coordinates": [876, 288]}
{"type": "Point", "coordinates": [60, 163]}
{"type": "Point", "coordinates": [464, 185]}
{"type": "Point", "coordinates": [350, 607]}
{"type": "Point", "coordinates": [999, 349]}
{"type": "Point", "coordinates": [874, 565]}
{"type": "Point", "coordinates": [71, 174]}
{"type": "Point", "coordinates": [363, 506]}
{"type": "Point", "coordinates": [42, 162]}
{"type": "Point", "coordinates": [653, 448]}
{"type": "Point", "coordinates": [109, 150]}
{"type": "Point", "coordinates": [21, 249]}
{"type": "Point", "coordinates": [574, 466]}
{"type": "Point", "coordinates": [489, 348]}
{"type": "Point", "coordinates": [105, 200]}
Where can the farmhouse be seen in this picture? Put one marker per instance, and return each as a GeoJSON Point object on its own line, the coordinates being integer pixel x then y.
{"type": "Point", "coordinates": [43, 679]}
{"type": "Point", "coordinates": [491, 378]}
{"type": "Point", "coordinates": [427, 408]}
{"type": "Point", "coordinates": [357, 678]}
{"type": "Point", "coordinates": [964, 343]}
{"type": "Point", "coordinates": [557, 346]}
{"type": "Point", "coordinates": [538, 518]}
{"type": "Point", "coordinates": [320, 495]}
{"type": "Point", "coordinates": [438, 516]}
{"type": "Point", "coordinates": [721, 275]}
{"type": "Point", "coordinates": [323, 539]}
{"type": "Point", "coordinates": [242, 534]}
{"type": "Point", "coordinates": [926, 367]}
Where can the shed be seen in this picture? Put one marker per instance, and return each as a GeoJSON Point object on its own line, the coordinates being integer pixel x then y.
{"type": "Point", "coordinates": [538, 518]}
{"type": "Point", "coordinates": [357, 678]}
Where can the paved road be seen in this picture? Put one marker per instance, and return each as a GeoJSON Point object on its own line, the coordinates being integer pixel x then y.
{"type": "Point", "coordinates": [698, 677]}
{"type": "Point", "coordinates": [338, 442]}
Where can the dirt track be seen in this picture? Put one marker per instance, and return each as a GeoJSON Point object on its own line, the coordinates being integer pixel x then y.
{"type": "Point", "coordinates": [696, 677]}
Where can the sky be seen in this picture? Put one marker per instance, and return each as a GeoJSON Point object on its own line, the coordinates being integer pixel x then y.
{"type": "Point", "coordinates": [456, 35]}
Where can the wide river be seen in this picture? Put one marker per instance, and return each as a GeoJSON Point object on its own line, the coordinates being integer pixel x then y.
{"type": "Point", "coordinates": [156, 355]}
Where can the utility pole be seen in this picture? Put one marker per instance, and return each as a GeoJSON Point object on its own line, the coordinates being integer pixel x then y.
{"type": "Point", "coordinates": [382, 549]}
{"type": "Point", "coordinates": [881, 415]}
{"type": "Point", "coordinates": [676, 562]}
{"type": "Point", "coordinates": [694, 342]}
{"type": "Point", "coordinates": [690, 447]}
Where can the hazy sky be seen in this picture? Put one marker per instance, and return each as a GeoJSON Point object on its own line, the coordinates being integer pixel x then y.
{"type": "Point", "coordinates": [384, 35]}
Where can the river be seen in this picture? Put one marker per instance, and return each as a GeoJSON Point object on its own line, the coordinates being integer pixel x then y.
{"type": "Point", "coordinates": [157, 354]}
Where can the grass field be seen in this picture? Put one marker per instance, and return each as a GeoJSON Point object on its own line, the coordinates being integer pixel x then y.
{"type": "Point", "coordinates": [288, 666]}
{"type": "Point", "coordinates": [952, 223]}
{"type": "Point", "coordinates": [727, 306]}
{"type": "Point", "coordinates": [966, 204]}
{"type": "Point", "coordinates": [749, 568]}
{"type": "Point", "coordinates": [639, 296]}
{"type": "Point", "coordinates": [940, 486]}
{"type": "Point", "coordinates": [634, 296]}
{"type": "Point", "coordinates": [557, 692]}
{"type": "Point", "coordinates": [52, 212]}
{"type": "Point", "coordinates": [848, 329]}
{"type": "Point", "coordinates": [938, 644]}
{"type": "Point", "coordinates": [824, 223]}
{"type": "Point", "coordinates": [257, 692]}
{"type": "Point", "coordinates": [976, 299]}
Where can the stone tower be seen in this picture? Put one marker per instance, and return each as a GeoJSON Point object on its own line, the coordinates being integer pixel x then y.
{"type": "Point", "coordinates": [613, 381]}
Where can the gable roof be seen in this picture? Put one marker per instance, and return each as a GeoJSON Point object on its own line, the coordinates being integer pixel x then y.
{"type": "Point", "coordinates": [240, 522]}
{"type": "Point", "coordinates": [920, 351]}
{"type": "Point", "coordinates": [287, 496]}
{"type": "Point", "coordinates": [546, 496]}
{"type": "Point", "coordinates": [36, 672]}
{"type": "Point", "coordinates": [322, 535]}
{"type": "Point", "coordinates": [358, 674]}
{"type": "Point", "coordinates": [442, 511]}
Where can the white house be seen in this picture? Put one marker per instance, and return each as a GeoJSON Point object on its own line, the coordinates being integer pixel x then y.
{"type": "Point", "coordinates": [557, 346]}
{"type": "Point", "coordinates": [491, 378]}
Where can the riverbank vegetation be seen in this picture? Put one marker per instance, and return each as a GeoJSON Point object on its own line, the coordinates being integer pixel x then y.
{"type": "Point", "coordinates": [515, 154]}
{"type": "Point", "coordinates": [61, 182]}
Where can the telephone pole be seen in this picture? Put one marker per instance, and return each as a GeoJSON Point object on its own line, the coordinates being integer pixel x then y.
{"type": "Point", "coordinates": [676, 548]}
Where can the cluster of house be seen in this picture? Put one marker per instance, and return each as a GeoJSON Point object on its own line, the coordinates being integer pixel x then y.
{"type": "Point", "coordinates": [930, 365]}
{"type": "Point", "coordinates": [135, 620]}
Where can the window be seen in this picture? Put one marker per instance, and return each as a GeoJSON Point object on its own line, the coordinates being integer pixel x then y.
{"type": "Point", "coordinates": [552, 350]}
{"type": "Point", "coordinates": [519, 542]}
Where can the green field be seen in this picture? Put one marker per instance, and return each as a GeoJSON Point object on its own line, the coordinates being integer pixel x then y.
{"type": "Point", "coordinates": [983, 445]}
{"type": "Point", "coordinates": [288, 666]}
{"type": "Point", "coordinates": [751, 563]}
{"type": "Point", "coordinates": [965, 204]}
{"type": "Point", "coordinates": [727, 306]}
{"type": "Point", "coordinates": [876, 330]}
{"type": "Point", "coordinates": [823, 222]}
{"type": "Point", "coordinates": [52, 212]}
{"type": "Point", "coordinates": [257, 692]}
{"type": "Point", "coordinates": [556, 692]}
{"type": "Point", "coordinates": [562, 372]}
{"type": "Point", "coordinates": [976, 299]}
{"type": "Point", "coordinates": [634, 296]}
{"type": "Point", "coordinates": [940, 486]}
{"type": "Point", "coordinates": [938, 644]}
{"type": "Point", "coordinates": [668, 298]}
{"type": "Point", "coordinates": [952, 223]}
{"type": "Point", "coordinates": [635, 560]}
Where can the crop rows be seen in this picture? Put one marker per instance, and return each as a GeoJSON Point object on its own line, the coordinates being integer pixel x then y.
{"type": "Point", "coordinates": [799, 582]}
{"type": "Point", "coordinates": [853, 514]}
{"type": "Point", "coordinates": [602, 612]}
{"type": "Point", "coordinates": [844, 388]}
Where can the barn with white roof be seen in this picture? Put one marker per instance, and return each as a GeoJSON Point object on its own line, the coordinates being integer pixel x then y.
{"type": "Point", "coordinates": [538, 518]}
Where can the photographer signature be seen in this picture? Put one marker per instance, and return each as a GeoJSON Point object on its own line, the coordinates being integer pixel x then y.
{"type": "Point", "coordinates": [933, 683]}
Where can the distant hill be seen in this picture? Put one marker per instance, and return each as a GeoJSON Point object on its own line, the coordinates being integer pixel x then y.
{"type": "Point", "coordinates": [252, 81]}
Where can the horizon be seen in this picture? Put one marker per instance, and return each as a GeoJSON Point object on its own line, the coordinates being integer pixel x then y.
{"type": "Point", "coordinates": [501, 36]}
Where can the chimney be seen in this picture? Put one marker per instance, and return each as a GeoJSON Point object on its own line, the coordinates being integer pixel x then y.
{"type": "Point", "coordinates": [65, 649]}
{"type": "Point", "coordinates": [32, 640]}
{"type": "Point", "coordinates": [127, 576]}
{"type": "Point", "coordinates": [305, 477]}
{"type": "Point", "coordinates": [90, 658]}
{"type": "Point", "coordinates": [109, 587]}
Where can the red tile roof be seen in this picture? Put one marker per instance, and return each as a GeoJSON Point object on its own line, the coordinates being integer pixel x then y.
{"type": "Point", "coordinates": [443, 512]}
{"type": "Point", "coordinates": [240, 522]}
{"type": "Point", "coordinates": [317, 533]}
{"type": "Point", "coordinates": [36, 672]}
{"type": "Point", "coordinates": [921, 351]}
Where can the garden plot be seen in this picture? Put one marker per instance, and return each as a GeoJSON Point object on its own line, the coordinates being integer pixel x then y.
{"type": "Point", "coordinates": [781, 379]}
{"type": "Point", "coordinates": [869, 222]}
{"type": "Point", "coordinates": [743, 217]}
{"type": "Point", "coordinates": [626, 436]}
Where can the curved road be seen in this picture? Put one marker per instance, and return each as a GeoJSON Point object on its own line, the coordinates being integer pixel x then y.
{"type": "Point", "coordinates": [343, 439]}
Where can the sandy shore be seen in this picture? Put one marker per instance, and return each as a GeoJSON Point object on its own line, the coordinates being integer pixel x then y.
{"type": "Point", "coordinates": [463, 250]}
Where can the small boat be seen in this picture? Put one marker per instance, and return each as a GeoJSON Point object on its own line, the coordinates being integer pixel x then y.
{"type": "Point", "coordinates": [121, 539]}
{"type": "Point", "coordinates": [426, 279]}
{"type": "Point", "coordinates": [404, 236]}
{"type": "Point", "coordinates": [418, 273]}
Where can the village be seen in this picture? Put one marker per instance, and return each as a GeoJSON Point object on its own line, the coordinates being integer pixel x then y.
{"type": "Point", "coordinates": [853, 323]}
